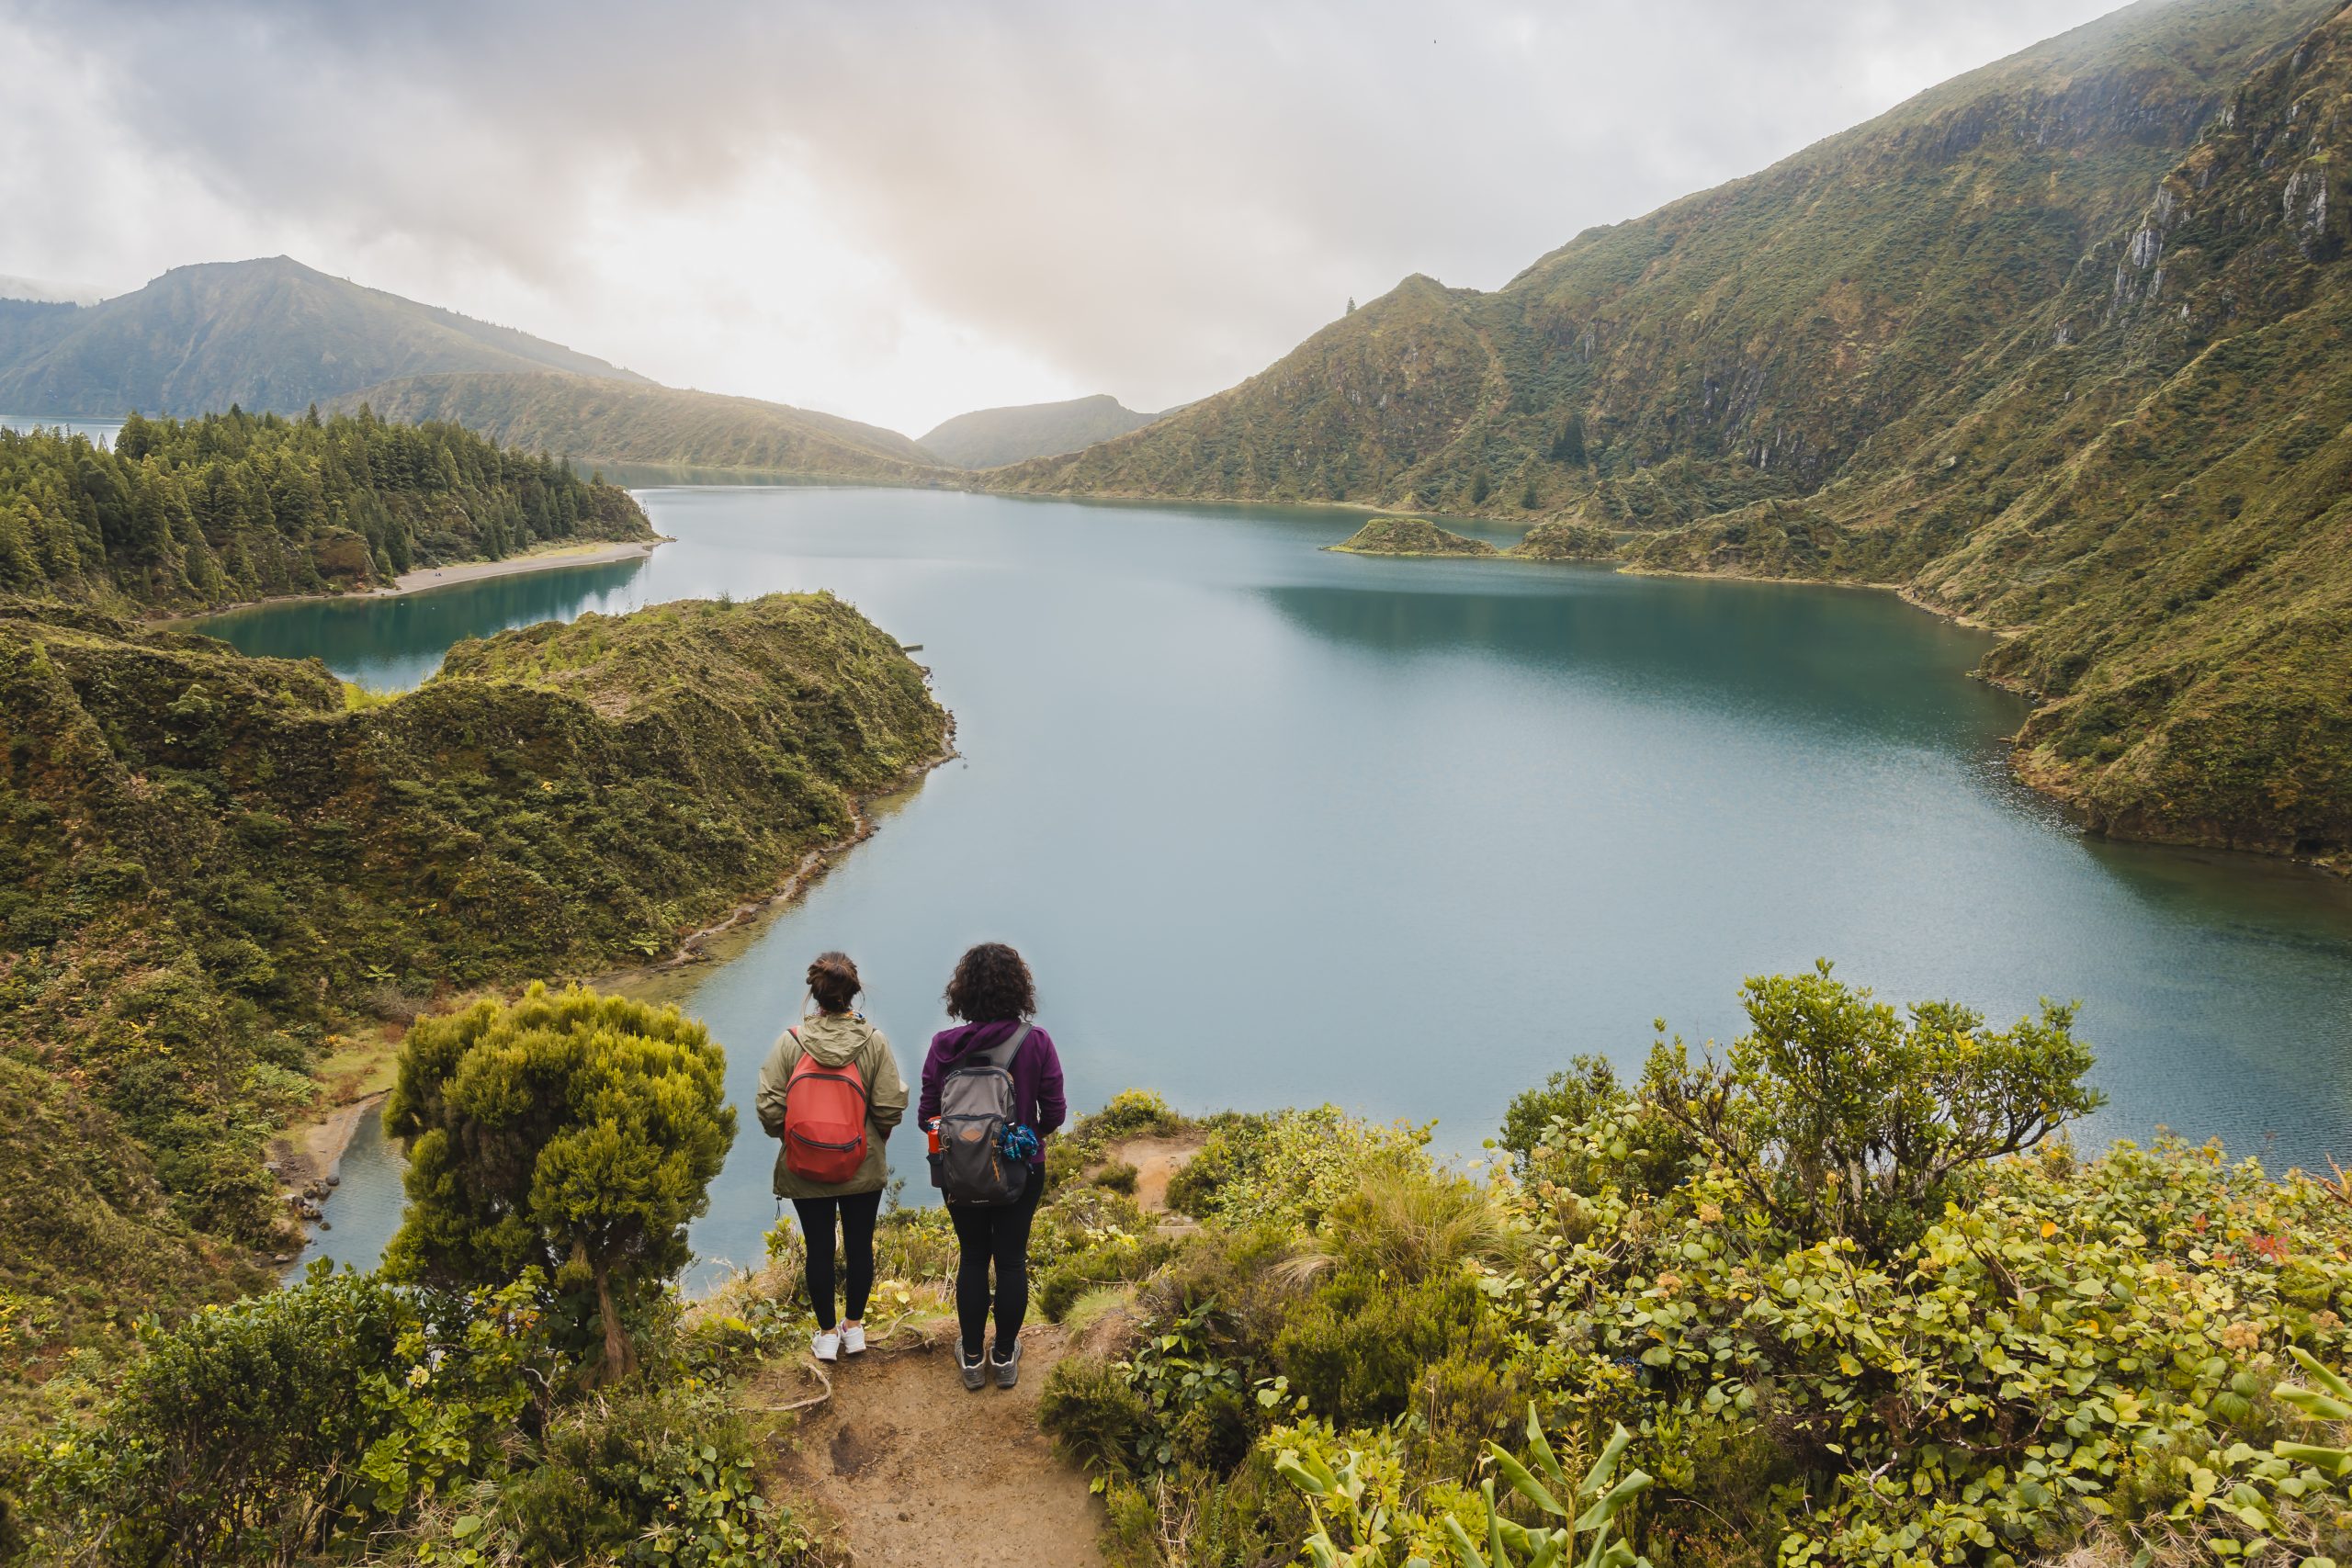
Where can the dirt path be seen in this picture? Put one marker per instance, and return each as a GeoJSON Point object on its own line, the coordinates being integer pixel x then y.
{"type": "Point", "coordinates": [917, 1472]}
{"type": "Point", "coordinates": [909, 1470]}
{"type": "Point", "coordinates": [1155, 1160]}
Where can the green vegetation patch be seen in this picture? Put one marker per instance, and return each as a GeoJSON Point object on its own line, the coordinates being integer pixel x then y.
{"type": "Point", "coordinates": [1565, 541]}
{"type": "Point", "coordinates": [1410, 537]}
{"type": "Point", "coordinates": [214, 865]}
{"type": "Point", "coordinates": [185, 514]}
{"type": "Point", "coordinates": [1830, 1295]}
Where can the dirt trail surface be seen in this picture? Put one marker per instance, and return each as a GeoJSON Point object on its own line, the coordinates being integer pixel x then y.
{"type": "Point", "coordinates": [1156, 1161]}
{"type": "Point", "coordinates": [917, 1472]}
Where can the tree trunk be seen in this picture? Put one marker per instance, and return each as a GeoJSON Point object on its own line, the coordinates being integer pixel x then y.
{"type": "Point", "coordinates": [618, 1357]}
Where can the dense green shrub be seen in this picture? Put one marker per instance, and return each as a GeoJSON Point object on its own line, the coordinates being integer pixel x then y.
{"type": "Point", "coordinates": [257, 1431]}
{"type": "Point", "coordinates": [653, 1476]}
{"type": "Point", "coordinates": [567, 1134]}
{"type": "Point", "coordinates": [1130, 1113]}
{"type": "Point", "coordinates": [1356, 1347]}
{"type": "Point", "coordinates": [1842, 1117]}
{"type": "Point", "coordinates": [1289, 1165]}
{"type": "Point", "coordinates": [1948, 1353]}
{"type": "Point", "coordinates": [1095, 1415]}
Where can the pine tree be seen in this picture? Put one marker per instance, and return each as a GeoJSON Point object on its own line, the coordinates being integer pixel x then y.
{"type": "Point", "coordinates": [1568, 445]}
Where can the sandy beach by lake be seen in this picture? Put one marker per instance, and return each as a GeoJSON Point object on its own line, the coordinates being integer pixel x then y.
{"type": "Point", "coordinates": [535, 560]}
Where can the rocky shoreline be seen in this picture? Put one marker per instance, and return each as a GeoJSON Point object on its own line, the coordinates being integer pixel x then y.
{"type": "Point", "coordinates": [306, 1161]}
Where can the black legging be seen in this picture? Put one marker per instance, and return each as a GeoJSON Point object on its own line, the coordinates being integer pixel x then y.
{"type": "Point", "coordinates": [995, 1233]}
{"type": "Point", "coordinates": [856, 1212]}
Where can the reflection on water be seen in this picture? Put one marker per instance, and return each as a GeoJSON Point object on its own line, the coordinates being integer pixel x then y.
{"type": "Point", "coordinates": [1276, 826]}
{"type": "Point", "coordinates": [101, 431]}
{"type": "Point", "coordinates": [390, 643]}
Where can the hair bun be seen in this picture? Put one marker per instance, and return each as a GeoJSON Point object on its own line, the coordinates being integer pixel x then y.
{"type": "Point", "coordinates": [833, 980]}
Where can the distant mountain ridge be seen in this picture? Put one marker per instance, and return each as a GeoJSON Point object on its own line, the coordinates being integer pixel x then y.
{"type": "Point", "coordinates": [988, 438]}
{"type": "Point", "coordinates": [276, 336]}
{"type": "Point", "coordinates": [617, 423]}
{"type": "Point", "coordinates": [271, 336]}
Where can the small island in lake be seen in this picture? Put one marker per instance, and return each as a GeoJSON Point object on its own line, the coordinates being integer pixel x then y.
{"type": "Point", "coordinates": [1565, 540]}
{"type": "Point", "coordinates": [1410, 537]}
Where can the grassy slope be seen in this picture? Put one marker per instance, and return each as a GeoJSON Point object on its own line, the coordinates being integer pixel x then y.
{"type": "Point", "coordinates": [211, 866]}
{"type": "Point", "coordinates": [988, 438]}
{"type": "Point", "coordinates": [270, 334]}
{"type": "Point", "coordinates": [603, 421]}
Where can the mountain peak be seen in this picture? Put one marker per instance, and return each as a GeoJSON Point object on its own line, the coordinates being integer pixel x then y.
{"type": "Point", "coordinates": [988, 438]}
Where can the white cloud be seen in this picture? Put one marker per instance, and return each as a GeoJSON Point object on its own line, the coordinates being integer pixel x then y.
{"type": "Point", "coordinates": [898, 210]}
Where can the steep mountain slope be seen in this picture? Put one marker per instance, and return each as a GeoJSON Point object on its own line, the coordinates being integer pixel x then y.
{"type": "Point", "coordinates": [2058, 345]}
{"type": "Point", "coordinates": [1738, 344]}
{"type": "Point", "coordinates": [2151, 481]}
{"type": "Point", "coordinates": [270, 334]}
{"type": "Point", "coordinates": [607, 422]}
{"type": "Point", "coordinates": [988, 438]}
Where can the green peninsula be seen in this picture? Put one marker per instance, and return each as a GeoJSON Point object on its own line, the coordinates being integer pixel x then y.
{"type": "Point", "coordinates": [1410, 537]}
{"type": "Point", "coordinates": [214, 866]}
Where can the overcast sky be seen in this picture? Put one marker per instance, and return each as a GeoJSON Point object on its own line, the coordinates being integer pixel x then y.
{"type": "Point", "coordinates": [899, 212]}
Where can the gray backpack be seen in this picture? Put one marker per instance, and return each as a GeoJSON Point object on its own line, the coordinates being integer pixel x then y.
{"type": "Point", "coordinates": [975, 1110]}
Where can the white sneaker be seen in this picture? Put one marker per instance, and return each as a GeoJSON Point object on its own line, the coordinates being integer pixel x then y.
{"type": "Point", "coordinates": [853, 1339]}
{"type": "Point", "coordinates": [827, 1346]}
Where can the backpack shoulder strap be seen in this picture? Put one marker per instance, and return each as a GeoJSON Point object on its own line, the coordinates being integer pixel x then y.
{"type": "Point", "coordinates": [1000, 1055]}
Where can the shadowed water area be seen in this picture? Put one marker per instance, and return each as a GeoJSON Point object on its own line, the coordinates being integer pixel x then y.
{"type": "Point", "coordinates": [1276, 826]}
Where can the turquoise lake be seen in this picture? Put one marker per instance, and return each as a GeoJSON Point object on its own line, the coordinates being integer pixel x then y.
{"type": "Point", "coordinates": [1275, 826]}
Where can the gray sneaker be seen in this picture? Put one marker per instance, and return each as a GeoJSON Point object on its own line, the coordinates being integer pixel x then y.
{"type": "Point", "coordinates": [1008, 1372]}
{"type": "Point", "coordinates": [976, 1370]}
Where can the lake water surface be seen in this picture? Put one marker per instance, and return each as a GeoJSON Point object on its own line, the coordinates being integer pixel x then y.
{"type": "Point", "coordinates": [1276, 827]}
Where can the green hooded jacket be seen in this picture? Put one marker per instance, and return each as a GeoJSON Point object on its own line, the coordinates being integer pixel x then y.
{"type": "Point", "coordinates": [833, 1039]}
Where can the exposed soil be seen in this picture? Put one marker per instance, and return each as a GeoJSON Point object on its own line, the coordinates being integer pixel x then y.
{"type": "Point", "coordinates": [1155, 1160]}
{"type": "Point", "coordinates": [913, 1470]}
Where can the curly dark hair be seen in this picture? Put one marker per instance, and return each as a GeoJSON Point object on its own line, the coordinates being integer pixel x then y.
{"type": "Point", "coordinates": [833, 980]}
{"type": "Point", "coordinates": [990, 982]}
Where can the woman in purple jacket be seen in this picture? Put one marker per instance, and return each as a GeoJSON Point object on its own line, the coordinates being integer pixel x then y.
{"type": "Point", "coordinates": [994, 994]}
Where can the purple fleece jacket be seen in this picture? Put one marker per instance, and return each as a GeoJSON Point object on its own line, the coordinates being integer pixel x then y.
{"type": "Point", "coordinates": [1037, 1100]}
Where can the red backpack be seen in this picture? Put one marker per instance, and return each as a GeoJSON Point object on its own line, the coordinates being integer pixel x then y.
{"type": "Point", "coordinates": [824, 1120]}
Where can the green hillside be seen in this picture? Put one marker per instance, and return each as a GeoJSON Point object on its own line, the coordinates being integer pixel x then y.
{"type": "Point", "coordinates": [187, 514]}
{"type": "Point", "coordinates": [1895, 357]}
{"type": "Point", "coordinates": [988, 438]}
{"type": "Point", "coordinates": [270, 334]}
{"type": "Point", "coordinates": [607, 422]}
{"type": "Point", "coordinates": [215, 866]}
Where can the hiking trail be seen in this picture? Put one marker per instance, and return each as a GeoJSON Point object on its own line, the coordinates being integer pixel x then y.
{"type": "Point", "coordinates": [907, 1468]}
{"type": "Point", "coordinates": [913, 1470]}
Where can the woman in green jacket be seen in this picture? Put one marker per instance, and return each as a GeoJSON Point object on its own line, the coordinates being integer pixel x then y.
{"type": "Point", "coordinates": [836, 1039]}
